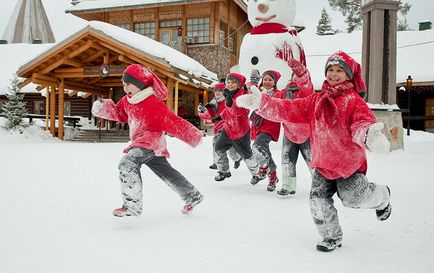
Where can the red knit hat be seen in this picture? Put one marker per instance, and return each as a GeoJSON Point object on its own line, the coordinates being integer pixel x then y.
{"type": "Point", "coordinates": [350, 66]}
{"type": "Point", "coordinates": [272, 73]}
{"type": "Point", "coordinates": [219, 87]}
{"type": "Point", "coordinates": [142, 77]}
{"type": "Point", "coordinates": [240, 79]}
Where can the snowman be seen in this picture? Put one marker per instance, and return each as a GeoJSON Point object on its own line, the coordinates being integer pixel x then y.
{"type": "Point", "coordinates": [272, 42]}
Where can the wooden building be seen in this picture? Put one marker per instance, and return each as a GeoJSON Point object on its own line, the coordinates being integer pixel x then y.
{"type": "Point", "coordinates": [91, 63]}
{"type": "Point", "coordinates": [209, 31]}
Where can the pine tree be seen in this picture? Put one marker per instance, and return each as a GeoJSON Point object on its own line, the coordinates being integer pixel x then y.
{"type": "Point", "coordinates": [324, 26]}
{"type": "Point", "coordinates": [14, 110]}
{"type": "Point", "coordinates": [352, 10]}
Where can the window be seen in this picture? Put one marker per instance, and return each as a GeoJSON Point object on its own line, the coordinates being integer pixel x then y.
{"type": "Point", "coordinates": [146, 29]}
{"type": "Point", "coordinates": [67, 108]}
{"type": "Point", "coordinates": [222, 33]}
{"type": "Point", "coordinates": [198, 31]}
{"type": "Point", "coordinates": [124, 26]}
{"type": "Point", "coordinates": [232, 40]}
{"type": "Point", "coordinates": [173, 23]}
{"type": "Point", "coordinates": [39, 107]}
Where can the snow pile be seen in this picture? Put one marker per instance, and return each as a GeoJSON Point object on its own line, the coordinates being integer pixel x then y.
{"type": "Point", "coordinates": [30, 134]}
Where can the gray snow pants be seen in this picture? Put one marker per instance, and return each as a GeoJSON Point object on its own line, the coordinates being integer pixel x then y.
{"type": "Point", "coordinates": [241, 145]}
{"type": "Point", "coordinates": [232, 153]}
{"type": "Point", "coordinates": [262, 153]}
{"type": "Point", "coordinates": [131, 179]}
{"type": "Point", "coordinates": [355, 192]}
{"type": "Point", "coordinates": [290, 152]}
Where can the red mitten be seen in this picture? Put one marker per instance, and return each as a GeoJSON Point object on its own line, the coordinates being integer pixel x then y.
{"type": "Point", "coordinates": [297, 67]}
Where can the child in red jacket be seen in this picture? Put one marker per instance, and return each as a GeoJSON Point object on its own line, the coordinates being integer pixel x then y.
{"type": "Point", "coordinates": [236, 130]}
{"type": "Point", "coordinates": [264, 131]}
{"type": "Point", "coordinates": [211, 111]}
{"type": "Point", "coordinates": [341, 127]}
{"type": "Point", "coordinates": [148, 119]}
{"type": "Point", "coordinates": [295, 140]}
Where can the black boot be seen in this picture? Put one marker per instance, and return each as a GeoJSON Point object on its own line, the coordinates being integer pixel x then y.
{"type": "Point", "coordinates": [328, 245]}
{"type": "Point", "coordinates": [383, 214]}
{"type": "Point", "coordinates": [222, 176]}
{"type": "Point", "coordinates": [237, 163]}
{"type": "Point", "coordinates": [213, 166]}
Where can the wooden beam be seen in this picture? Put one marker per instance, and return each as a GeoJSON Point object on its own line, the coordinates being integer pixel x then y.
{"type": "Point", "coordinates": [24, 83]}
{"type": "Point", "coordinates": [69, 70]}
{"type": "Point", "coordinates": [93, 57]}
{"type": "Point", "coordinates": [72, 62]}
{"type": "Point", "coordinates": [61, 108]}
{"type": "Point", "coordinates": [72, 93]}
{"type": "Point", "coordinates": [125, 59]}
{"type": "Point", "coordinates": [41, 87]}
{"type": "Point", "coordinates": [169, 101]}
{"type": "Point", "coordinates": [53, 111]}
{"type": "Point", "coordinates": [109, 84]}
{"type": "Point", "coordinates": [47, 108]}
{"type": "Point", "coordinates": [145, 58]}
{"type": "Point", "coordinates": [176, 97]}
{"type": "Point", "coordinates": [61, 61]}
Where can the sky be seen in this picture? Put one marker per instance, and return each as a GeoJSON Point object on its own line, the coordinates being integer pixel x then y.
{"type": "Point", "coordinates": [57, 198]}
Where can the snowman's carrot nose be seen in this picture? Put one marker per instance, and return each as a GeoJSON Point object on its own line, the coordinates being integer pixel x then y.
{"type": "Point", "coordinates": [263, 8]}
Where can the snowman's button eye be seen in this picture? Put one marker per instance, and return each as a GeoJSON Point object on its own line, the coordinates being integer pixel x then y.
{"type": "Point", "coordinates": [254, 60]}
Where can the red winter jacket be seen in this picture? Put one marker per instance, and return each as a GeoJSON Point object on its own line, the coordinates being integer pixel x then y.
{"type": "Point", "coordinates": [297, 132]}
{"type": "Point", "coordinates": [337, 133]}
{"type": "Point", "coordinates": [148, 121]}
{"type": "Point", "coordinates": [263, 125]}
{"type": "Point", "coordinates": [236, 119]}
{"type": "Point", "coordinates": [210, 113]}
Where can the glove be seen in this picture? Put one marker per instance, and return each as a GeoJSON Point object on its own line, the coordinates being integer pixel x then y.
{"type": "Point", "coordinates": [215, 119]}
{"type": "Point", "coordinates": [376, 141]}
{"type": "Point", "coordinates": [297, 67]}
{"type": "Point", "coordinates": [96, 107]}
{"type": "Point", "coordinates": [228, 97]}
{"type": "Point", "coordinates": [201, 108]}
{"type": "Point", "coordinates": [255, 77]}
{"type": "Point", "coordinates": [250, 101]}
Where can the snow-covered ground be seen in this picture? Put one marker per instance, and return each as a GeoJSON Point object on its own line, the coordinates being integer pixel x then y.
{"type": "Point", "coordinates": [57, 198]}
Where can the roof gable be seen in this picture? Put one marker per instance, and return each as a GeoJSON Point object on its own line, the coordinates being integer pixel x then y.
{"type": "Point", "coordinates": [103, 44]}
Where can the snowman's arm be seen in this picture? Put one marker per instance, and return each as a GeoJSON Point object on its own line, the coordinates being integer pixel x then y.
{"type": "Point", "coordinates": [282, 110]}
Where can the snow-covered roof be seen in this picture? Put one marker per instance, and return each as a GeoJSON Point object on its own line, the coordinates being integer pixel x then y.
{"type": "Point", "coordinates": [21, 55]}
{"type": "Point", "coordinates": [90, 5]}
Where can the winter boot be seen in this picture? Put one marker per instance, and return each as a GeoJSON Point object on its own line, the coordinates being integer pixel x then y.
{"type": "Point", "coordinates": [383, 214]}
{"type": "Point", "coordinates": [190, 205]}
{"type": "Point", "coordinates": [123, 211]}
{"type": "Point", "coordinates": [237, 163]}
{"type": "Point", "coordinates": [288, 186]}
{"type": "Point", "coordinates": [262, 172]}
{"type": "Point", "coordinates": [222, 176]}
{"type": "Point", "coordinates": [272, 181]}
{"type": "Point", "coordinates": [329, 245]}
{"type": "Point", "coordinates": [213, 166]}
{"type": "Point", "coordinates": [256, 178]}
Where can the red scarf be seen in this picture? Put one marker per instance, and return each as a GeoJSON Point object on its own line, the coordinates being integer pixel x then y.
{"type": "Point", "coordinates": [268, 28]}
{"type": "Point", "coordinates": [326, 105]}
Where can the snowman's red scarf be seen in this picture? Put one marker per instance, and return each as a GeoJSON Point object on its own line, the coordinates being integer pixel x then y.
{"type": "Point", "coordinates": [268, 28]}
